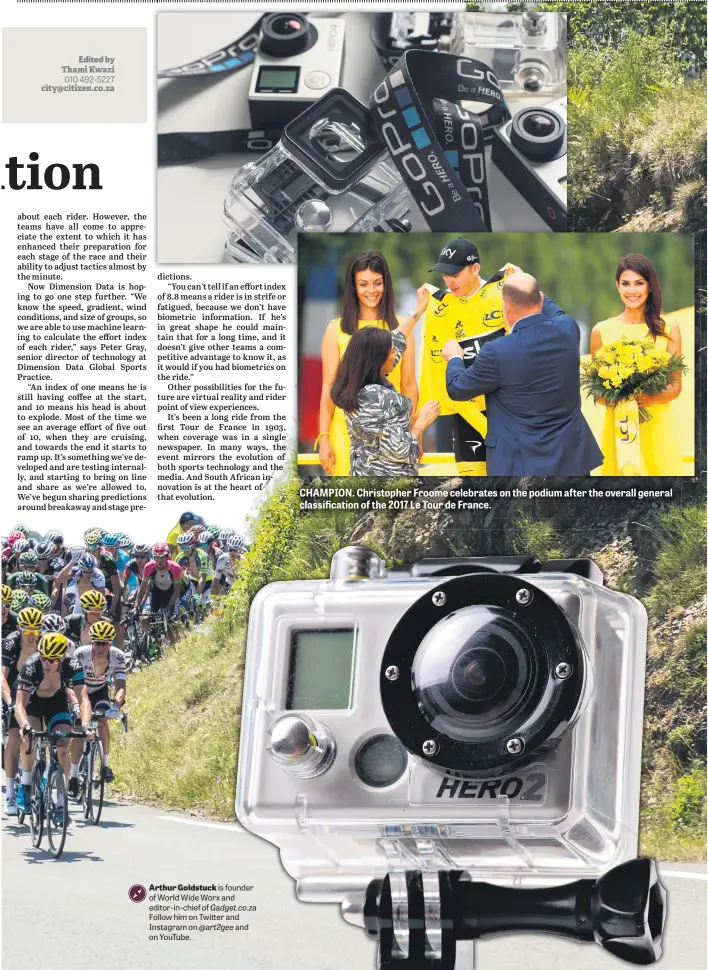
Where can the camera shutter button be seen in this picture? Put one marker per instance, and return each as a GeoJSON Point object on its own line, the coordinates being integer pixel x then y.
{"type": "Point", "coordinates": [317, 80]}
{"type": "Point", "coordinates": [303, 747]}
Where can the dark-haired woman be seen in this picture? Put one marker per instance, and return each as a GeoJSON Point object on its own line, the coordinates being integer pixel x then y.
{"type": "Point", "coordinates": [386, 437]}
{"type": "Point", "coordinates": [367, 302]}
{"type": "Point", "coordinates": [659, 451]}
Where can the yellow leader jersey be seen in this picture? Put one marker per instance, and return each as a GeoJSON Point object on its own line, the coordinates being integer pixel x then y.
{"type": "Point", "coordinates": [470, 320]}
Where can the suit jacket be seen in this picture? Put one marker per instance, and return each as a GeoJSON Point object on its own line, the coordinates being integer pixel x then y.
{"type": "Point", "coordinates": [531, 381]}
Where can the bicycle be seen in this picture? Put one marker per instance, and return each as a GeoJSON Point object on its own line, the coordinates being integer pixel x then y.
{"type": "Point", "coordinates": [49, 801]}
{"type": "Point", "coordinates": [135, 646]}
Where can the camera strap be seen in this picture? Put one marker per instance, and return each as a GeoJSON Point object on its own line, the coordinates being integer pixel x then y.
{"type": "Point", "coordinates": [436, 144]}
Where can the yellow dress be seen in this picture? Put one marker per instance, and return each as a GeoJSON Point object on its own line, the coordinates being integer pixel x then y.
{"type": "Point", "coordinates": [338, 434]}
{"type": "Point", "coordinates": [659, 450]}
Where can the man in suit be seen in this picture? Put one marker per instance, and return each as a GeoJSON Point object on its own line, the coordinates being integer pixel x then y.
{"type": "Point", "coordinates": [531, 380]}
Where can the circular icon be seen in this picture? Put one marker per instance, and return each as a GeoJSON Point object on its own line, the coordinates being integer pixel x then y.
{"type": "Point", "coordinates": [317, 80]}
{"type": "Point", "coordinates": [137, 893]}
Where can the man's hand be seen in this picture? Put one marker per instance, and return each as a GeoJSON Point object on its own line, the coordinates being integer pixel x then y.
{"type": "Point", "coordinates": [452, 349]}
{"type": "Point", "coordinates": [512, 268]}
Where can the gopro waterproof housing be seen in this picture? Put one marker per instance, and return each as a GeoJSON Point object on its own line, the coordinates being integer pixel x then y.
{"type": "Point", "coordinates": [329, 173]}
{"type": "Point", "coordinates": [526, 51]}
{"type": "Point", "coordinates": [474, 715]}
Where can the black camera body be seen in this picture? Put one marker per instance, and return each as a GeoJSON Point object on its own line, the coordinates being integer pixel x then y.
{"type": "Point", "coordinates": [530, 150]}
{"type": "Point", "coordinates": [297, 62]}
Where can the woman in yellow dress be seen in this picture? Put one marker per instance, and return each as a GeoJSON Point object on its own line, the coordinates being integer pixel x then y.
{"type": "Point", "coordinates": [653, 447]}
{"type": "Point", "coordinates": [368, 302]}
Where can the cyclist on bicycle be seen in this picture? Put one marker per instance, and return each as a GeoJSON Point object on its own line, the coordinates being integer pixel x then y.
{"type": "Point", "coordinates": [104, 545]}
{"type": "Point", "coordinates": [42, 697]}
{"type": "Point", "coordinates": [93, 606]}
{"type": "Point", "coordinates": [101, 663]}
{"type": "Point", "coordinates": [9, 616]}
{"type": "Point", "coordinates": [227, 565]}
{"type": "Point", "coordinates": [16, 648]}
{"type": "Point", "coordinates": [200, 565]}
{"type": "Point", "coordinates": [161, 584]}
{"type": "Point", "coordinates": [133, 572]}
{"type": "Point", "coordinates": [79, 576]}
{"type": "Point", "coordinates": [187, 521]}
{"type": "Point", "coordinates": [28, 564]}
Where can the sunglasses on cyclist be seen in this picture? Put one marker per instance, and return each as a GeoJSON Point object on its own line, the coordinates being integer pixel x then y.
{"type": "Point", "coordinates": [102, 643]}
{"type": "Point", "coordinates": [28, 632]}
{"type": "Point", "coordinates": [94, 613]}
{"type": "Point", "coordinates": [51, 661]}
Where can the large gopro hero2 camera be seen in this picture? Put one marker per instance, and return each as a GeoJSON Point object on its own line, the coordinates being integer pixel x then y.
{"type": "Point", "coordinates": [297, 62]}
{"type": "Point", "coordinates": [481, 717]}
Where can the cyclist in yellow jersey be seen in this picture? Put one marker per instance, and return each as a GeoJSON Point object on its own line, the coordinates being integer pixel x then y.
{"type": "Point", "coordinates": [468, 310]}
{"type": "Point", "coordinates": [188, 520]}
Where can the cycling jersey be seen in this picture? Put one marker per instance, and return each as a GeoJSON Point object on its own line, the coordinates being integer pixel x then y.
{"type": "Point", "coordinates": [32, 673]}
{"type": "Point", "coordinates": [224, 568]}
{"type": "Point", "coordinates": [472, 321]}
{"type": "Point", "coordinates": [115, 667]}
{"type": "Point", "coordinates": [204, 564]}
{"type": "Point", "coordinates": [9, 624]}
{"type": "Point", "coordinates": [107, 565]}
{"type": "Point", "coordinates": [11, 651]}
{"type": "Point", "coordinates": [98, 579]}
{"type": "Point", "coordinates": [164, 578]}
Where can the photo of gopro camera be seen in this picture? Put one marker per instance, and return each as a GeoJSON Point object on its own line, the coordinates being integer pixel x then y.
{"type": "Point", "coordinates": [298, 60]}
{"type": "Point", "coordinates": [531, 150]}
{"type": "Point", "coordinates": [408, 732]}
{"type": "Point", "coordinates": [526, 51]}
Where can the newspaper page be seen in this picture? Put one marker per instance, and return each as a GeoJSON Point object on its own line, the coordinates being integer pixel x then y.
{"type": "Point", "coordinates": [353, 521]}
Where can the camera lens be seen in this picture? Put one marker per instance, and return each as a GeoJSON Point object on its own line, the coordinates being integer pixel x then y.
{"type": "Point", "coordinates": [471, 673]}
{"type": "Point", "coordinates": [286, 34]}
{"type": "Point", "coordinates": [539, 133]}
{"type": "Point", "coordinates": [489, 674]}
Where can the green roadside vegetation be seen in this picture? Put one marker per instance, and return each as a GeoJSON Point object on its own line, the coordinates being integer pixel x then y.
{"type": "Point", "coordinates": [181, 750]}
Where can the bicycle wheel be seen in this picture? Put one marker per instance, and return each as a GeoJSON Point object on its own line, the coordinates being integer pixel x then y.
{"type": "Point", "coordinates": [95, 783]}
{"type": "Point", "coordinates": [57, 810]}
{"type": "Point", "coordinates": [37, 805]}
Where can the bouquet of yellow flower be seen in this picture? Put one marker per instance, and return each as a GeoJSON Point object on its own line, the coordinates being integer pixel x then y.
{"type": "Point", "coordinates": [623, 370]}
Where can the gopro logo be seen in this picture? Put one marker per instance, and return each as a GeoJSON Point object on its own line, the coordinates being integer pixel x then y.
{"type": "Point", "coordinates": [532, 788]}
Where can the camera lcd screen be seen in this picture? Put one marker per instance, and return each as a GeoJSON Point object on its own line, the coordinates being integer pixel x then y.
{"type": "Point", "coordinates": [282, 80]}
{"type": "Point", "coordinates": [320, 675]}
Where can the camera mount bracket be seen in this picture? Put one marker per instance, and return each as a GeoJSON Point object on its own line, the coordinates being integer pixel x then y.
{"type": "Point", "coordinates": [624, 911]}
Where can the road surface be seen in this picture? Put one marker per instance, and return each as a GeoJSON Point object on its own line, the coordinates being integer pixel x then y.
{"type": "Point", "coordinates": [76, 912]}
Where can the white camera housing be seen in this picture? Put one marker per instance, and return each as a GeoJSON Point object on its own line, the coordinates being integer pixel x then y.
{"type": "Point", "coordinates": [313, 702]}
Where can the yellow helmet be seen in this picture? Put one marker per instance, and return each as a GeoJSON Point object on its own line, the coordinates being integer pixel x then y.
{"type": "Point", "coordinates": [30, 618]}
{"type": "Point", "coordinates": [93, 601]}
{"type": "Point", "coordinates": [53, 646]}
{"type": "Point", "coordinates": [6, 595]}
{"type": "Point", "coordinates": [102, 630]}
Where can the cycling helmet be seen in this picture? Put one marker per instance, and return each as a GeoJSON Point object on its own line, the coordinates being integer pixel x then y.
{"type": "Point", "coordinates": [102, 630]}
{"type": "Point", "coordinates": [15, 536]}
{"type": "Point", "coordinates": [29, 558]}
{"type": "Point", "coordinates": [185, 540]}
{"type": "Point", "coordinates": [30, 618]}
{"type": "Point", "coordinates": [54, 536]}
{"type": "Point", "coordinates": [45, 549]}
{"type": "Point", "coordinates": [23, 529]}
{"type": "Point", "coordinates": [53, 646]}
{"type": "Point", "coordinates": [6, 595]}
{"type": "Point", "coordinates": [213, 531]}
{"type": "Point", "coordinates": [19, 598]}
{"type": "Point", "coordinates": [236, 543]}
{"type": "Point", "coordinates": [93, 539]}
{"type": "Point", "coordinates": [161, 549]}
{"type": "Point", "coordinates": [93, 600]}
{"type": "Point", "coordinates": [22, 545]}
{"type": "Point", "coordinates": [204, 538]}
{"type": "Point", "coordinates": [27, 579]}
{"type": "Point", "coordinates": [125, 542]}
{"type": "Point", "coordinates": [141, 551]}
{"type": "Point", "coordinates": [40, 600]}
{"type": "Point", "coordinates": [111, 539]}
{"type": "Point", "coordinates": [86, 561]}
{"type": "Point", "coordinates": [53, 623]}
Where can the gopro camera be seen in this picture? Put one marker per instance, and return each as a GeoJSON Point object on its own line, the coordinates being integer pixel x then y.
{"type": "Point", "coordinates": [481, 717]}
{"type": "Point", "coordinates": [297, 62]}
{"type": "Point", "coordinates": [531, 151]}
{"type": "Point", "coordinates": [526, 51]}
{"type": "Point", "coordinates": [330, 172]}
